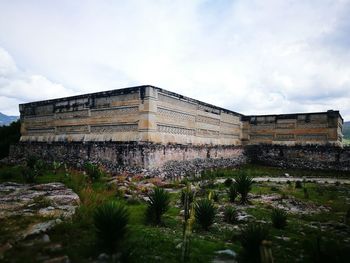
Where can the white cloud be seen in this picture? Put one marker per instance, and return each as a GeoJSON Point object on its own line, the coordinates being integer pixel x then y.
{"type": "Point", "coordinates": [252, 57]}
{"type": "Point", "coordinates": [17, 86]}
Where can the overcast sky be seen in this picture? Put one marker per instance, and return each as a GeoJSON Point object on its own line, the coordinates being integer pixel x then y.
{"type": "Point", "coordinates": [253, 57]}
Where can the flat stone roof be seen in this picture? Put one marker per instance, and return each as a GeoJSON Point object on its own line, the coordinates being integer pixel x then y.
{"type": "Point", "coordinates": [129, 90]}
{"type": "Point", "coordinates": [142, 88]}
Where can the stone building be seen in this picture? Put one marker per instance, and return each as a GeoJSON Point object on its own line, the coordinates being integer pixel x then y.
{"type": "Point", "coordinates": [147, 127]}
{"type": "Point", "coordinates": [151, 114]}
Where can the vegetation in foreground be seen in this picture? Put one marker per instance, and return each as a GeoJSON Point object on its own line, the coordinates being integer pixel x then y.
{"type": "Point", "coordinates": [285, 236]}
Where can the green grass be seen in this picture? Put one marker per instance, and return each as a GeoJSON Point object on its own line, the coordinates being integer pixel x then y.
{"type": "Point", "coordinates": [147, 243]}
{"type": "Point", "coordinates": [256, 170]}
{"type": "Point", "coordinates": [346, 141]}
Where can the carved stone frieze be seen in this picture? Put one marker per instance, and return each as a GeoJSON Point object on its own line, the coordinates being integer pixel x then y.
{"type": "Point", "coordinates": [110, 112]}
{"type": "Point", "coordinates": [72, 129]}
{"type": "Point", "coordinates": [205, 132]}
{"type": "Point", "coordinates": [283, 137]}
{"type": "Point", "coordinates": [261, 136]}
{"type": "Point", "coordinates": [209, 109]}
{"type": "Point", "coordinates": [175, 130]}
{"type": "Point", "coordinates": [208, 120]}
{"type": "Point", "coordinates": [110, 128]}
{"type": "Point", "coordinates": [72, 114]}
{"type": "Point", "coordinates": [312, 137]}
{"type": "Point", "coordinates": [171, 114]}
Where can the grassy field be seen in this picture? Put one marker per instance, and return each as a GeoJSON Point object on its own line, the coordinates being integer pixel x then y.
{"type": "Point", "coordinates": [304, 239]}
{"type": "Point", "coordinates": [346, 141]}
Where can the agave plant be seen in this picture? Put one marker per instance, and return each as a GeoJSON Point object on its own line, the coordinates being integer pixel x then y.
{"type": "Point", "coordinates": [110, 220]}
{"type": "Point", "coordinates": [232, 193]}
{"type": "Point", "coordinates": [158, 204]}
{"type": "Point", "coordinates": [215, 196]}
{"type": "Point", "coordinates": [205, 213]}
{"type": "Point", "coordinates": [93, 171]}
{"type": "Point", "coordinates": [230, 214]}
{"type": "Point", "coordinates": [29, 175]}
{"type": "Point", "coordinates": [243, 185]}
{"type": "Point", "coordinates": [31, 161]}
{"type": "Point", "coordinates": [251, 239]}
{"type": "Point", "coordinates": [55, 166]}
{"type": "Point", "coordinates": [228, 182]}
{"type": "Point", "coordinates": [279, 218]}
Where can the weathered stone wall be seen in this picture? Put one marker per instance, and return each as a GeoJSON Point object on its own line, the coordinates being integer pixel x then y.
{"type": "Point", "coordinates": [139, 114]}
{"type": "Point", "coordinates": [134, 157]}
{"type": "Point", "coordinates": [104, 116]}
{"type": "Point", "coordinates": [324, 157]}
{"type": "Point", "coordinates": [184, 120]}
{"type": "Point", "coordinates": [151, 114]}
{"type": "Point", "coordinates": [150, 128]}
{"type": "Point", "coordinates": [293, 129]}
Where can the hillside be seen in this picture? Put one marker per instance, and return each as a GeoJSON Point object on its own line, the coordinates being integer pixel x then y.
{"type": "Point", "coordinates": [6, 120]}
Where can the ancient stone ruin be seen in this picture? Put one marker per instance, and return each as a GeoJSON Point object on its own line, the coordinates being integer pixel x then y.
{"type": "Point", "coordinates": [148, 128]}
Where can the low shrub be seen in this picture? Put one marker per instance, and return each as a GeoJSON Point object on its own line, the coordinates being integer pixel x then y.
{"type": "Point", "coordinates": [228, 182]}
{"type": "Point", "coordinates": [157, 205]}
{"type": "Point", "coordinates": [7, 174]}
{"type": "Point", "coordinates": [93, 171]}
{"type": "Point", "coordinates": [279, 218]}
{"type": "Point", "coordinates": [230, 214]}
{"type": "Point", "coordinates": [347, 217]}
{"type": "Point", "coordinates": [320, 249]}
{"type": "Point", "coordinates": [29, 175]}
{"type": "Point", "coordinates": [205, 213]}
{"type": "Point", "coordinates": [232, 193]}
{"type": "Point", "coordinates": [40, 166]}
{"type": "Point", "coordinates": [31, 161]}
{"type": "Point", "coordinates": [110, 220]}
{"type": "Point", "coordinates": [220, 173]}
{"type": "Point", "coordinates": [251, 239]}
{"type": "Point", "coordinates": [274, 189]}
{"type": "Point", "coordinates": [56, 166]}
{"type": "Point", "coordinates": [298, 184]}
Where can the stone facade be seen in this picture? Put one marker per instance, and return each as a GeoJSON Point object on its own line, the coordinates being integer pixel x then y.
{"type": "Point", "coordinates": [150, 114]}
{"type": "Point", "coordinates": [147, 127]}
{"type": "Point", "coordinates": [174, 159]}
{"type": "Point", "coordinates": [313, 157]}
{"type": "Point", "coordinates": [139, 114]}
{"type": "Point", "coordinates": [294, 129]}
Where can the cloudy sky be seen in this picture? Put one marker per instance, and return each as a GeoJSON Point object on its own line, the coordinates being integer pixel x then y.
{"type": "Point", "coordinates": [254, 57]}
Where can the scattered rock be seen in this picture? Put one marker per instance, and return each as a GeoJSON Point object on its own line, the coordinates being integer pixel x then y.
{"type": "Point", "coordinates": [45, 238]}
{"type": "Point", "coordinates": [226, 252]}
{"type": "Point", "coordinates": [290, 204]}
{"type": "Point", "coordinates": [47, 203]}
{"type": "Point", "coordinates": [38, 228]}
{"type": "Point", "coordinates": [225, 256]}
{"type": "Point", "coordinates": [179, 246]}
{"type": "Point", "coordinates": [53, 248]}
{"type": "Point", "coordinates": [61, 259]}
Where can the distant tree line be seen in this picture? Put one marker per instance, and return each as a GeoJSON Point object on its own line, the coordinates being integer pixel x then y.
{"type": "Point", "coordinates": [346, 130]}
{"type": "Point", "coordinates": [9, 135]}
